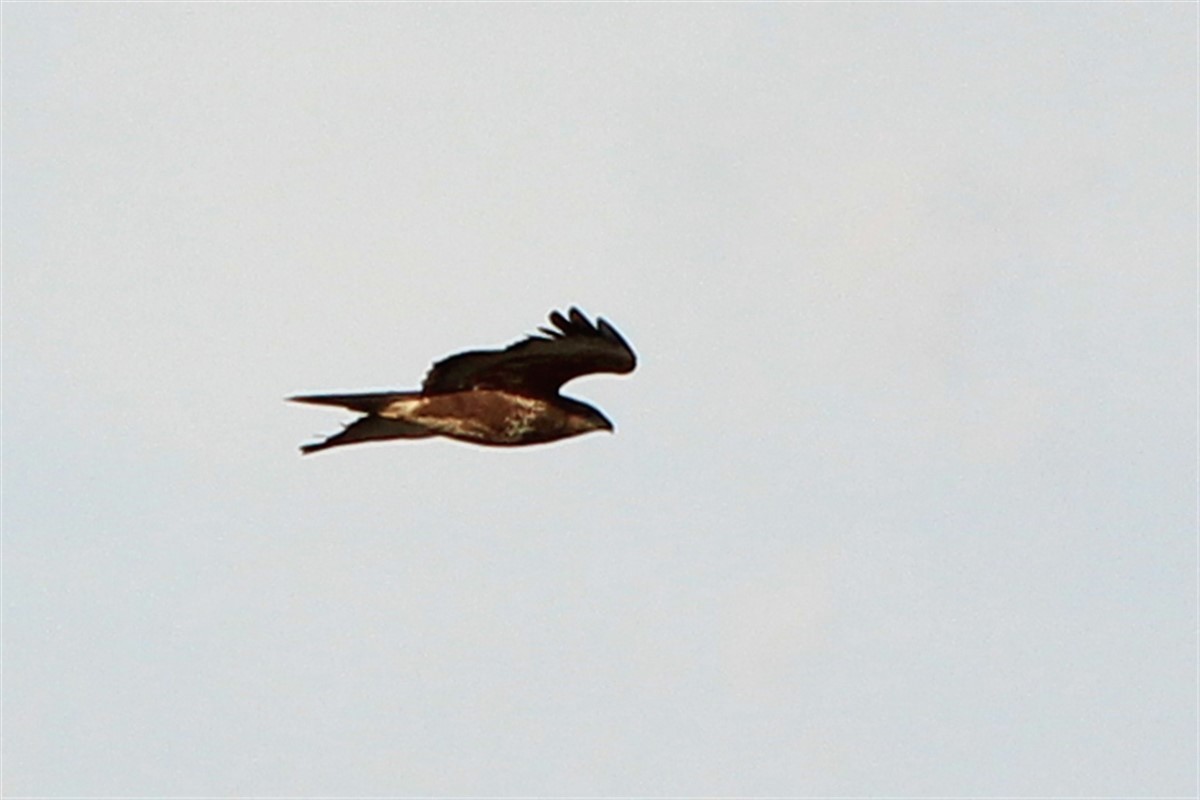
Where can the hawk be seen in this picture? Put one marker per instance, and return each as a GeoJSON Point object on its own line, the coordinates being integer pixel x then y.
{"type": "Point", "coordinates": [504, 398]}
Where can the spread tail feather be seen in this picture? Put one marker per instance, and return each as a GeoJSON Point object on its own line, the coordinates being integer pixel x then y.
{"type": "Point", "coordinates": [367, 403]}
{"type": "Point", "coordinates": [370, 429]}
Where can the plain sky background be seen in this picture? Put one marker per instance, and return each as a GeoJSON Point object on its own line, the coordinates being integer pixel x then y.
{"type": "Point", "coordinates": [902, 495]}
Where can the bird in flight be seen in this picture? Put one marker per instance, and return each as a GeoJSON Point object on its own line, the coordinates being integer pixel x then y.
{"type": "Point", "coordinates": [503, 397]}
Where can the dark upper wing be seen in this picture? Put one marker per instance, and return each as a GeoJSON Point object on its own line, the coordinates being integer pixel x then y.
{"type": "Point", "coordinates": [537, 365]}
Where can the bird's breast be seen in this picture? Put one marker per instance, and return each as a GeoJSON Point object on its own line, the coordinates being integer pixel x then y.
{"type": "Point", "coordinates": [485, 416]}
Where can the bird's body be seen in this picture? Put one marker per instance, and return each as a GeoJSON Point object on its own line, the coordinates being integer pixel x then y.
{"type": "Point", "coordinates": [501, 398]}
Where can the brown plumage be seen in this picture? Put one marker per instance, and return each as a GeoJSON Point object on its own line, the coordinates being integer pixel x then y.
{"type": "Point", "coordinates": [503, 397]}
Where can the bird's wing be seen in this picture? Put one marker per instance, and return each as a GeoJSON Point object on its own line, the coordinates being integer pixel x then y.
{"type": "Point", "coordinates": [539, 364]}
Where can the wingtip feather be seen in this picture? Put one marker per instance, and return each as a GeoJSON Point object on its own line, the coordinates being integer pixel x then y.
{"type": "Point", "coordinates": [559, 321]}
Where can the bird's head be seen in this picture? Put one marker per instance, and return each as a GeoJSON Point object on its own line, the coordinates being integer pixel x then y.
{"type": "Point", "coordinates": [585, 418]}
{"type": "Point", "coordinates": [599, 422]}
{"type": "Point", "coordinates": [593, 420]}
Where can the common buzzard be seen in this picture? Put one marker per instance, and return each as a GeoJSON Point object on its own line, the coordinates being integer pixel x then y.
{"type": "Point", "coordinates": [503, 397]}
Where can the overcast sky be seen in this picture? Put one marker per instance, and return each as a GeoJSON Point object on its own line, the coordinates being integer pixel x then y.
{"type": "Point", "coordinates": [902, 495]}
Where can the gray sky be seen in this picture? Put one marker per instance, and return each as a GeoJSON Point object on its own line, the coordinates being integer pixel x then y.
{"type": "Point", "coordinates": [901, 499]}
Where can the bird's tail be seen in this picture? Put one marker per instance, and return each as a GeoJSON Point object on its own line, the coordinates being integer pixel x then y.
{"type": "Point", "coordinates": [367, 403]}
{"type": "Point", "coordinates": [370, 429]}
